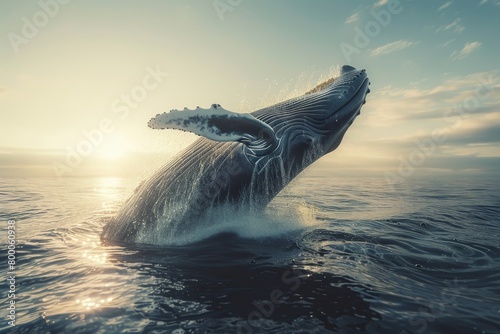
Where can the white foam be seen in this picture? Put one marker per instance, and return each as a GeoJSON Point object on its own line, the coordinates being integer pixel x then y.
{"type": "Point", "coordinates": [276, 220]}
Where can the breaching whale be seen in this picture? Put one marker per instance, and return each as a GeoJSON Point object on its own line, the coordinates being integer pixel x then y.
{"type": "Point", "coordinates": [242, 160]}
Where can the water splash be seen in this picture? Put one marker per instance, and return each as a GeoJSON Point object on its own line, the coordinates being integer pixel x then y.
{"type": "Point", "coordinates": [277, 219]}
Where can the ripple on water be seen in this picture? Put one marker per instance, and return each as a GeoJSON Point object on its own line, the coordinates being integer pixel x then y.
{"type": "Point", "coordinates": [370, 260]}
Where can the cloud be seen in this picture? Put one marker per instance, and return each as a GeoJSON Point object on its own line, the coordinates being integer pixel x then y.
{"type": "Point", "coordinates": [475, 136]}
{"type": "Point", "coordinates": [493, 2]}
{"type": "Point", "coordinates": [444, 6]}
{"type": "Point", "coordinates": [380, 3]}
{"type": "Point", "coordinates": [469, 48]}
{"type": "Point", "coordinates": [445, 44]}
{"type": "Point", "coordinates": [398, 121]}
{"type": "Point", "coordinates": [473, 130]}
{"type": "Point", "coordinates": [392, 47]}
{"type": "Point", "coordinates": [482, 2]}
{"type": "Point", "coordinates": [455, 25]}
{"type": "Point", "coordinates": [2, 89]}
{"type": "Point", "coordinates": [353, 18]}
{"type": "Point", "coordinates": [392, 106]}
{"type": "Point", "coordinates": [463, 108]}
{"type": "Point", "coordinates": [476, 133]}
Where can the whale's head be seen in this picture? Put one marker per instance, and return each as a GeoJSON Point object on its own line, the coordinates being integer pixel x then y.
{"type": "Point", "coordinates": [314, 124]}
{"type": "Point", "coordinates": [343, 98]}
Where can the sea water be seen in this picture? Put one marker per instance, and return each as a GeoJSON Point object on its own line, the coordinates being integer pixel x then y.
{"type": "Point", "coordinates": [329, 254]}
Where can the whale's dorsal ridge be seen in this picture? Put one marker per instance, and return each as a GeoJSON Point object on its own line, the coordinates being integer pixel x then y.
{"type": "Point", "coordinates": [219, 124]}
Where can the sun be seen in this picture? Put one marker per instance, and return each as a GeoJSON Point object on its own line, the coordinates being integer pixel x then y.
{"type": "Point", "coordinates": [113, 147]}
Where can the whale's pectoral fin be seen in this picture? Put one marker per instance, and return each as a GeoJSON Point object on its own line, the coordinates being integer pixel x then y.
{"type": "Point", "coordinates": [219, 124]}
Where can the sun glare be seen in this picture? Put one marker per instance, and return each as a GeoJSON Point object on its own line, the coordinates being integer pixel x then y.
{"type": "Point", "coordinates": [113, 147]}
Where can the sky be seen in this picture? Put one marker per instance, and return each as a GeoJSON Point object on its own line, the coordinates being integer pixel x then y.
{"type": "Point", "coordinates": [80, 79]}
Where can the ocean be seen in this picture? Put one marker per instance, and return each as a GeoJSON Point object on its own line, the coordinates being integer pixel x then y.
{"type": "Point", "coordinates": [330, 254]}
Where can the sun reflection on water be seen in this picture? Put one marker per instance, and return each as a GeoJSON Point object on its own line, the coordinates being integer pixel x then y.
{"type": "Point", "coordinates": [94, 254]}
{"type": "Point", "coordinates": [93, 303]}
{"type": "Point", "coordinates": [110, 191]}
{"type": "Point", "coordinates": [93, 251]}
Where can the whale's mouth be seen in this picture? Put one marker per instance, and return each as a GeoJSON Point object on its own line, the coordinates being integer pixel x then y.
{"type": "Point", "coordinates": [352, 107]}
{"type": "Point", "coordinates": [346, 94]}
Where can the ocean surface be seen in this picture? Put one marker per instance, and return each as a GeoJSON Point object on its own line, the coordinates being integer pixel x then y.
{"type": "Point", "coordinates": [343, 255]}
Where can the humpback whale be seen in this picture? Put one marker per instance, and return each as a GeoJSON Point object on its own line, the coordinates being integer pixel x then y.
{"type": "Point", "coordinates": [242, 160]}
